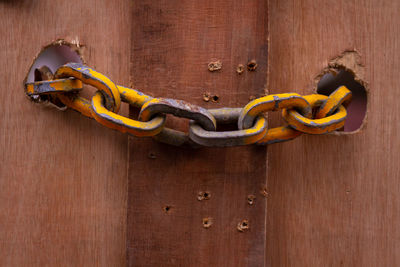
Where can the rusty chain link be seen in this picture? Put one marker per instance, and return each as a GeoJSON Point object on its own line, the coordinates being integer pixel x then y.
{"type": "Point", "coordinates": [312, 114]}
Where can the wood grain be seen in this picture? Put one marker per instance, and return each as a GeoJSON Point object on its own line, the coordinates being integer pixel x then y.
{"type": "Point", "coordinates": [62, 177]}
{"type": "Point", "coordinates": [334, 200]}
{"type": "Point", "coordinates": [172, 44]}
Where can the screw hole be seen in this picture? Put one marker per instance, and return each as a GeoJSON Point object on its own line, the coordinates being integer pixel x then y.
{"type": "Point", "coordinates": [252, 65]}
{"type": "Point", "coordinates": [240, 69]}
{"type": "Point", "coordinates": [215, 98]}
{"type": "Point", "coordinates": [207, 222]}
{"type": "Point", "coordinates": [206, 96]}
{"type": "Point", "coordinates": [251, 199]}
{"type": "Point", "coordinates": [243, 226]}
{"type": "Point", "coordinates": [206, 195]}
{"type": "Point", "coordinates": [167, 208]}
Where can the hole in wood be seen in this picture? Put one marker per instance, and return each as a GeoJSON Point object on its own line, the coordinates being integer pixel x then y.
{"type": "Point", "coordinates": [243, 226]}
{"type": "Point", "coordinates": [252, 65]}
{"type": "Point", "coordinates": [206, 96]}
{"type": "Point", "coordinates": [215, 98]}
{"type": "Point", "coordinates": [204, 195]}
{"type": "Point", "coordinates": [215, 65]}
{"type": "Point", "coordinates": [251, 199]}
{"type": "Point", "coordinates": [207, 222]}
{"type": "Point", "coordinates": [53, 56]}
{"type": "Point", "coordinates": [167, 208]}
{"type": "Point", "coordinates": [240, 69]}
{"type": "Point", "coordinates": [357, 108]}
{"type": "Point", "coordinates": [47, 62]}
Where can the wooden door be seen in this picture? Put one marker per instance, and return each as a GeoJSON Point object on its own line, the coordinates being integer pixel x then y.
{"type": "Point", "coordinates": [73, 193]}
{"type": "Point", "coordinates": [169, 222]}
{"type": "Point", "coordinates": [62, 177]}
{"type": "Point", "coordinates": [334, 200]}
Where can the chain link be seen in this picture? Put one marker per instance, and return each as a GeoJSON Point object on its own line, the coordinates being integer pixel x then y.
{"type": "Point", "coordinates": [123, 124]}
{"type": "Point", "coordinates": [228, 138]}
{"type": "Point", "coordinates": [178, 108]}
{"type": "Point", "coordinates": [65, 84]}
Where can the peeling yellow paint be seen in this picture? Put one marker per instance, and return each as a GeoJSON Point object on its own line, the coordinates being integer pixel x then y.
{"type": "Point", "coordinates": [124, 124]}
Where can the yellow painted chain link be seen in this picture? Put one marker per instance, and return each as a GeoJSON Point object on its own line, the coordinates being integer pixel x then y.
{"type": "Point", "coordinates": [297, 110]}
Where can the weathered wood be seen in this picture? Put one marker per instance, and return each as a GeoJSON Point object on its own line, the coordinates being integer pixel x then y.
{"type": "Point", "coordinates": [334, 200]}
{"type": "Point", "coordinates": [62, 176]}
{"type": "Point", "coordinates": [172, 44]}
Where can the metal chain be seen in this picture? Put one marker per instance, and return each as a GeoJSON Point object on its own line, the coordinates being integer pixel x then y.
{"type": "Point", "coordinates": [312, 114]}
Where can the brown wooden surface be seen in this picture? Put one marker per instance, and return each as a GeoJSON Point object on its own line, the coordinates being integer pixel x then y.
{"type": "Point", "coordinates": [171, 47]}
{"type": "Point", "coordinates": [62, 176]}
{"type": "Point", "coordinates": [334, 200]}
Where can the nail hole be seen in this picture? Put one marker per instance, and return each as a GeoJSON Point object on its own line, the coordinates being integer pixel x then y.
{"type": "Point", "coordinates": [204, 195]}
{"type": "Point", "coordinates": [243, 226]}
{"type": "Point", "coordinates": [252, 65]}
{"type": "Point", "coordinates": [215, 98]}
{"type": "Point", "coordinates": [207, 222]}
{"type": "Point", "coordinates": [251, 199]}
{"type": "Point", "coordinates": [167, 208]}
{"type": "Point", "coordinates": [357, 108]}
{"type": "Point", "coordinates": [206, 96]}
{"type": "Point", "coordinates": [240, 69]}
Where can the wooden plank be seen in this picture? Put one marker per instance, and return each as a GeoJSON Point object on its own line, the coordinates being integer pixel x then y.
{"type": "Point", "coordinates": [172, 44]}
{"type": "Point", "coordinates": [62, 176]}
{"type": "Point", "coordinates": [334, 200]}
